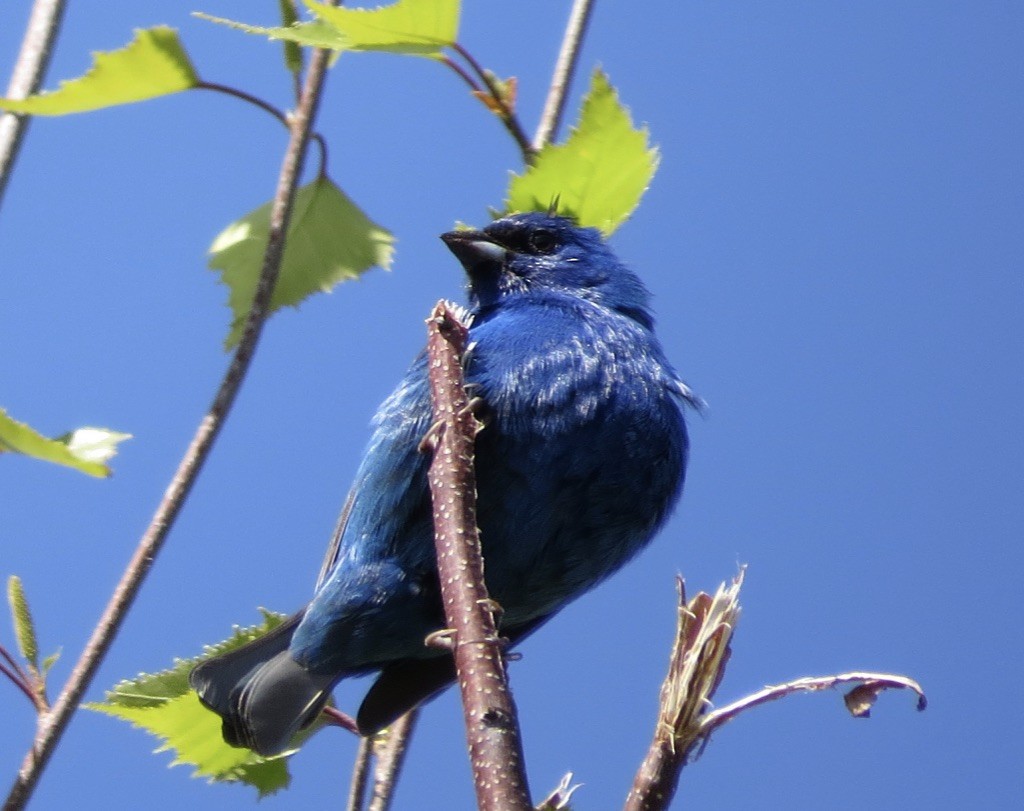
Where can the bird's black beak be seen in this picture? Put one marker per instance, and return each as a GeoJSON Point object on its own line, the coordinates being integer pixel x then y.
{"type": "Point", "coordinates": [478, 253]}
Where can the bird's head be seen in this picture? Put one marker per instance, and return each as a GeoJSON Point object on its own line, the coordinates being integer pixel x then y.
{"type": "Point", "coordinates": [525, 254]}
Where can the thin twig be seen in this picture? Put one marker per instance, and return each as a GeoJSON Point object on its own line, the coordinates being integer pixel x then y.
{"type": "Point", "coordinates": [53, 725]}
{"type": "Point", "coordinates": [462, 73]}
{"type": "Point", "coordinates": [33, 59]}
{"type": "Point", "coordinates": [19, 681]}
{"type": "Point", "coordinates": [561, 79]}
{"type": "Point", "coordinates": [699, 657]}
{"type": "Point", "coordinates": [337, 718]}
{"type": "Point", "coordinates": [389, 748]}
{"type": "Point", "coordinates": [870, 685]}
{"type": "Point", "coordinates": [280, 115]}
{"type": "Point", "coordinates": [360, 775]}
{"type": "Point", "coordinates": [6, 654]}
{"type": "Point", "coordinates": [492, 726]}
{"type": "Point", "coordinates": [505, 113]}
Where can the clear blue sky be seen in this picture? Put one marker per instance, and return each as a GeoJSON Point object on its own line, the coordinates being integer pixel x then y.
{"type": "Point", "coordinates": [834, 242]}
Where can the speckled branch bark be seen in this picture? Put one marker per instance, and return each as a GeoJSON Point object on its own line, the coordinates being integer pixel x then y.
{"type": "Point", "coordinates": [52, 725]}
{"type": "Point", "coordinates": [492, 726]}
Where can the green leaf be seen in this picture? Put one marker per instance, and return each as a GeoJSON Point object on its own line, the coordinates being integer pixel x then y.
{"type": "Point", "coordinates": [412, 27]}
{"type": "Point", "coordinates": [292, 51]}
{"type": "Point", "coordinates": [151, 65]}
{"type": "Point", "coordinates": [313, 34]}
{"type": "Point", "coordinates": [416, 27]}
{"type": "Point", "coordinates": [601, 171]}
{"type": "Point", "coordinates": [193, 732]}
{"type": "Point", "coordinates": [329, 241]}
{"type": "Point", "coordinates": [163, 705]}
{"type": "Point", "coordinates": [49, 662]}
{"type": "Point", "coordinates": [24, 628]}
{"type": "Point", "coordinates": [85, 449]}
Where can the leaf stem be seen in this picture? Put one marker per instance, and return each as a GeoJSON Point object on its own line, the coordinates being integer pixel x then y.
{"type": "Point", "coordinates": [29, 69]}
{"type": "Point", "coordinates": [507, 116]}
{"type": "Point", "coordinates": [463, 74]}
{"type": "Point", "coordinates": [19, 679]}
{"type": "Point", "coordinates": [53, 724]}
{"type": "Point", "coordinates": [565, 66]}
{"type": "Point", "coordinates": [492, 725]}
{"type": "Point", "coordinates": [280, 115]}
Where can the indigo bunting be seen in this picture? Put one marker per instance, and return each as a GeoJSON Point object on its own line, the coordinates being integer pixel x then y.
{"type": "Point", "coordinates": [581, 458]}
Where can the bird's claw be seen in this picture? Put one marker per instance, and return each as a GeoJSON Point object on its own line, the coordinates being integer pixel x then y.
{"type": "Point", "coordinates": [443, 639]}
{"type": "Point", "coordinates": [431, 438]}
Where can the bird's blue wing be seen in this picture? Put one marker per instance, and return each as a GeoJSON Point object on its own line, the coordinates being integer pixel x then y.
{"type": "Point", "coordinates": [371, 591]}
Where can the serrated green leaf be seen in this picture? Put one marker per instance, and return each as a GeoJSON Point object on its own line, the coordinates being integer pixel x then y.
{"type": "Point", "coordinates": [150, 690]}
{"type": "Point", "coordinates": [24, 628]}
{"type": "Point", "coordinates": [193, 732]}
{"type": "Point", "coordinates": [313, 34]}
{"type": "Point", "coordinates": [415, 27]}
{"type": "Point", "coordinates": [164, 705]}
{"type": "Point", "coordinates": [292, 51]}
{"type": "Point", "coordinates": [85, 449]}
{"type": "Point", "coordinates": [601, 171]}
{"type": "Point", "coordinates": [411, 27]}
{"type": "Point", "coordinates": [151, 65]}
{"type": "Point", "coordinates": [329, 241]}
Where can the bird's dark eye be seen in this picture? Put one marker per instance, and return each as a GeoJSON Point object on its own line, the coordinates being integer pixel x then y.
{"type": "Point", "coordinates": [542, 241]}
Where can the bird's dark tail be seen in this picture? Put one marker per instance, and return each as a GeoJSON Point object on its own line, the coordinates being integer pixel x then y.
{"type": "Point", "coordinates": [261, 693]}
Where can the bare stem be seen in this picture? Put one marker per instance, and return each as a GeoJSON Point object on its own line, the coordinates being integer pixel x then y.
{"type": "Point", "coordinates": [267, 108]}
{"type": "Point", "coordinates": [462, 74]}
{"type": "Point", "coordinates": [858, 700]}
{"type": "Point", "coordinates": [20, 680]}
{"type": "Point", "coordinates": [561, 79]}
{"type": "Point", "coordinates": [360, 775]}
{"type": "Point", "coordinates": [696, 666]}
{"type": "Point", "coordinates": [505, 113]}
{"type": "Point", "coordinates": [53, 725]}
{"type": "Point", "coordinates": [337, 718]}
{"type": "Point", "coordinates": [492, 726]}
{"type": "Point", "coordinates": [36, 47]}
{"type": "Point", "coordinates": [390, 747]}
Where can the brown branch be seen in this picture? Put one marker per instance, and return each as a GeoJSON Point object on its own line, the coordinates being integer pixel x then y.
{"type": "Point", "coordinates": [697, 664]}
{"type": "Point", "coordinates": [858, 701]}
{"type": "Point", "coordinates": [360, 775]}
{"type": "Point", "coordinates": [336, 718]}
{"type": "Point", "coordinates": [33, 59]}
{"type": "Point", "coordinates": [565, 66]}
{"type": "Point", "coordinates": [385, 751]}
{"type": "Point", "coordinates": [20, 679]}
{"type": "Point", "coordinates": [389, 748]}
{"type": "Point", "coordinates": [281, 116]}
{"type": "Point", "coordinates": [52, 725]}
{"type": "Point", "coordinates": [505, 113]}
{"type": "Point", "coordinates": [492, 726]}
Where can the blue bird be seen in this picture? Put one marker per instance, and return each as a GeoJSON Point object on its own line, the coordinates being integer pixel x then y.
{"type": "Point", "coordinates": [581, 459]}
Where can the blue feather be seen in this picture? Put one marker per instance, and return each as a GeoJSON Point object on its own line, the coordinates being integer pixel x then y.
{"type": "Point", "coordinates": [581, 459]}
